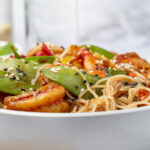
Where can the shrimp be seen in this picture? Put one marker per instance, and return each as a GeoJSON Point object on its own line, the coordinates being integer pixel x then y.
{"type": "Point", "coordinates": [139, 64]}
{"type": "Point", "coordinates": [57, 107]}
{"type": "Point", "coordinates": [91, 63]}
{"type": "Point", "coordinates": [43, 96]}
{"type": "Point", "coordinates": [134, 59]}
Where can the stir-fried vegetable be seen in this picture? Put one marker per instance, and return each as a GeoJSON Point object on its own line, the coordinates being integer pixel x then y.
{"type": "Point", "coordinates": [41, 59]}
{"type": "Point", "coordinates": [112, 72]}
{"type": "Point", "coordinates": [6, 49]}
{"type": "Point", "coordinates": [19, 68]}
{"type": "Point", "coordinates": [12, 86]}
{"type": "Point", "coordinates": [102, 51]}
{"type": "Point", "coordinates": [2, 73]}
{"type": "Point", "coordinates": [16, 74]}
{"type": "Point", "coordinates": [72, 81]}
{"type": "Point", "coordinates": [70, 78]}
{"type": "Point", "coordinates": [143, 94]}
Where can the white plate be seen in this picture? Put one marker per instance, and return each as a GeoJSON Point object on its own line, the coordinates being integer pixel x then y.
{"type": "Point", "coordinates": [114, 130]}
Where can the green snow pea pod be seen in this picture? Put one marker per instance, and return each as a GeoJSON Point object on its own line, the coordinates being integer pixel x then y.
{"type": "Point", "coordinates": [21, 69]}
{"type": "Point", "coordinates": [15, 87]}
{"type": "Point", "coordinates": [2, 73]}
{"type": "Point", "coordinates": [6, 49]}
{"type": "Point", "coordinates": [41, 59]}
{"type": "Point", "coordinates": [111, 72]}
{"type": "Point", "coordinates": [73, 82]}
{"type": "Point", "coordinates": [102, 51]}
{"type": "Point", "coordinates": [70, 79]}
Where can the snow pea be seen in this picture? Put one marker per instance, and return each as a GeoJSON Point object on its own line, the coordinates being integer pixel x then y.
{"type": "Point", "coordinates": [73, 82]}
{"type": "Point", "coordinates": [20, 68]}
{"type": "Point", "coordinates": [6, 49]}
{"type": "Point", "coordinates": [111, 72]}
{"type": "Point", "coordinates": [70, 79]}
{"type": "Point", "coordinates": [2, 73]}
{"type": "Point", "coordinates": [41, 59]}
{"type": "Point", "coordinates": [15, 87]}
{"type": "Point", "coordinates": [102, 51]}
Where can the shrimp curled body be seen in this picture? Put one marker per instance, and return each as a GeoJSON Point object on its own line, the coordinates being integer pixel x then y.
{"type": "Point", "coordinates": [43, 96]}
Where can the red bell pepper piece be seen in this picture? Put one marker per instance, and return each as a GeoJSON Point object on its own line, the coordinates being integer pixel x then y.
{"type": "Point", "coordinates": [46, 51]}
{"type": "Point", "coordinates": [143, 94]}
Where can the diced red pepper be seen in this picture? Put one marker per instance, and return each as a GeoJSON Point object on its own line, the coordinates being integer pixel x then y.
{"type": "Point", "coordinates": [23, 56]}
{"type": "Point", "coordinates": [143, 94]}
{"type": "Point", "coordinates": [11, 56]}
{"type": "Point", "coordinates": [46, 51]}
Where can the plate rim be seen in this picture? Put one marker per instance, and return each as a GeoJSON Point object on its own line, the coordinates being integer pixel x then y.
{"type": "Point", "coordinates": [73, 115]}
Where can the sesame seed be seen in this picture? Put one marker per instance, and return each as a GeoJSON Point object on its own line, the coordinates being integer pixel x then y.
{"type": "Point", "coordinates": [91, 71]}
{"type": "Point", "coordinates": [5, 69]}
{"type": "Point", "coordinates": [76, 73]}
{"type": "Point", "coordinates": [133, 85]}
{"type": "Point", "coordinates": [35, 67]}
{"type": "Point", "coordinates": [126, 83]}
{"type": "Point", "coordinates": [82, 90]}
{"type": "Point", "coordinates": [19, 70]}
{"type": "Point", "coordinates": [6, 75]}
{"type": "Point", "coordinates": [76, 87]}
{"type": "Point", "coordinates": [22, 89]}
{"type": "Point", "coordinates": [14, 78]}
{"type": "Point", "coordinates": [24, 74]}
{"type": "Point", "coordinates": [73, 99]}
{"type": "Point", "coordinates": [91, 83]}
{"type": "Point", "coordinates": [144, 83]}
{"type": "Point", "coordinates": [84, 81]}
{"type": "Point", "coordinates": [62, 47]}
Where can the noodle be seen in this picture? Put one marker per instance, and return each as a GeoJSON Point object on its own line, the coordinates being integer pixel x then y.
{"type": "Point", "coordinates": [109, 101]}
{"type": "Point", "coordinates": [111, 86]}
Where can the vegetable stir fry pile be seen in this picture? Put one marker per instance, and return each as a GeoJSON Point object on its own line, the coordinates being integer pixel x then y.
{"type": "Point", "coordinates": [82, 78]}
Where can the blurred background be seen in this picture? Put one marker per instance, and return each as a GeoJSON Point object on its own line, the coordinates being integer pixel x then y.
{"type": "Point", "coordinates": [115, 25]}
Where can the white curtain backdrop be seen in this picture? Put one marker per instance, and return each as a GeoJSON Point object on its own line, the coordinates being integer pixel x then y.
{"type": "Point", "coordinates": [5, 15]}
